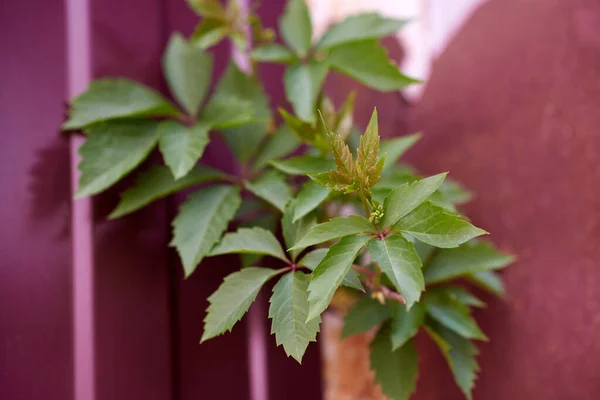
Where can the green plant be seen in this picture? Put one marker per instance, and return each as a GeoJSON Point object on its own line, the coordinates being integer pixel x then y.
{"type": "Point", "coordinates": [359, 220]}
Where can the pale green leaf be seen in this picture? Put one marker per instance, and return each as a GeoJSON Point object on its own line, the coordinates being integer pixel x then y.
{"type": "Point", "coordinates": [400, 262]}
{"type": "Point", "coordinates": [342, 155]}
{"type": "Point", "coordinates": [303, 83]}
{"type": "Point", "coordinates": [366, 314]}
{"type": "Point", "coordinates": [294, 230]}
{"type": "Point", "coordinates": [310, 196]}
{"type": "Point", "coordinates": [111, 98]}
{"type": "Point", "coordinates": [208, 8]}
{"type": "Point", "coordinates": [367, 166]}
{"type": "Point", "coordinates": [462, 295]}
{"type": "Point", "coordinates": [334, 229]}
{"type": "Point", "coordinates": [288, 310]}
{"type": "Point", "coordinates": [455, 192]}
{"type": "Point", "coordinates": [188, 71]}
{"type": "Point", "coordinates": [334, 180]}
{"type": "Point", "coordinates": [305, 164]}
{"type": "Point", "coordinates": [182, 146]}
{"type": "Point", "coordinates": [469, 258]}
{"type": "Point", "coordinates": [409, 196]}
{"type": "Point", "coordinates": [295, 27]}
{"type": "Point", "coordinates": [405, 324]}
{"type": "Point", "coordinates": [201, 221]}
{"type": "Point", "coordinates": [281, 143]}
{"type": "Point", "coordinates": [272, 188]}
{"type": "Point", "coordinates": [359, 27]}
{"type": "Point", "coordinates": [249, 241]}
{"type": "Point", "coordinates": [368, 63]}
{"type": "Point", "coordinates": [159, 182]}
{"type": "Point", "coordinates": [488, 281]}
{"type": "Point", "coordinates": [453, 314]}
{"type": "Point", "coordinates": [331, 271]}
{"type": "Point", "coordinates": [395, 148]}
{"type": "Point", "coordinates": [209, 32]}
{"type": "Point", "coordinates": [111, 151]}
{"type": "Point", "coordinates": [274, 53]}
{"type": "Point", "coordinates": [314, 258]}
{"type": "Point", "coordinates": [396, 372]}
{"type": "Point", "coordinates": [433, 225]}
{"type": "Point", "coordinates": [232, 299]}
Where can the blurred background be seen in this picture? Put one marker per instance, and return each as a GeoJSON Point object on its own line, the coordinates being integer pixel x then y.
{"type": "Point", "coordinates": [511, 107]}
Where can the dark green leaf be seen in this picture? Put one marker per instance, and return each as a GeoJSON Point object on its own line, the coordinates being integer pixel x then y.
{"type": "Point", "coordinates": [401, 264]}
{"type": "Point", "coordinates": [188, 71]}
{"type": "Point", "coordinates": [462, 295]}
{"type": "Point", "coordinates": [395, 148]}
{"type": "Point", "coordinates": [314, 258]}
{"type": "Point", "coordinates": [158, 182]}
{"type": "Point", "coordinates": [452, 314]}
{"type": "Point", "coordinates": [250, 241]}
{"type": "Point", "coordinates": [366, 314]}
{"type": "Point", "coordinates": [281, 143]}
{"type": "Point", "coordinates": [288, 310]}
{"type": "Point", "coordinates": [274, 53]}
{"type": "Point", "coordinates": [232, 299]}
{"type": "Point", "coordinates": [201, 221]}
{"type": "Point", "coordinates": [228, 111]}
{"type": "Point", "coordinates": [368, 63]}
{"type": "Point", "coordinates": [335, 228]}
{"type": "Point", "coordinates": [272, 188]}
{"type": "Point", "coordinates": [489, 281]}
{"type": "Point", "coordinates": [111, 151]}
{"type": "Point", "coordinates": [182, 146]}
{"type": "Point", "coordinates": [405, 324]}
{"type": "Point", "coordinates": [295, 27]}
{"type": "Point", "coordinates": [331, 271]}
{"type": "Point", "coordinates": [310, 196]}
{"type": "Point", "coordinates": [303, 83]}
{"type": "Point", "coordinates": [112, 98]}
{"type": "Point", "coordinates": [303, 165]}
{"type": "Point", "coordinates": [294, 230]}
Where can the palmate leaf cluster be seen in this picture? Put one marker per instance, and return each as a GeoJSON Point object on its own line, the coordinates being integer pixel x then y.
{"type": "Point", "coordinates": [401, 247]}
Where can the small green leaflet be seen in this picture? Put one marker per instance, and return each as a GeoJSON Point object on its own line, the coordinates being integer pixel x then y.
{"type": "Point", "coordinates": [435, 226]}
{"type": "Point", "coordinates": [366, 314]}
{"type": "Point", "coordinates": [188, 71]}
{"type": "Point", "coordinates": [281, 143]}
{"type": "Point", "coordinates": [288, 310]}
{"type": "Point", "coordinates": [182, 146]}
{"type": "Point", "coordinates": [367, 62]}
{"type": "Point", "coordinates": [314, 258]}
{"type": "Point", "coordinates": [274, 53]}
{"type": "Point", "coordinates": [208, 8]}
{"type": "Point", "coordinates": [368, 169]}
{"type": "Point", "coordinates": [310, 196]}
{"type": "Point", "coordinates": [330, 272]}
{"type": "Point", "coordinates": [294, 230]}
{"type": "Point", "coordinates": [209, 32]}
{"type": "Point", "coordinates": [232, 299]}
{"type": "Point", "coordinates": [228, 111]}
{"type": "Point", "coordinates": [409, 196]}
{"type": "Point", "coordinates": [454, 192]}
{"type": "Point", "coordinates": [396, 372]}
{"type": "Point", "coordinates": [112, 98]}
{"type": "Point", "coordinates": [303, 83]}
{"type": "Point", "coordinates": [295, 27]}
{"type": "Point", "coordinates": [395, 148]}
{"type": "Point", "coordinates": [452, 314]}
{"type": "Point", "coordinates": [250, 241]}
{"type": "Point", "coordinates": [335, 228]}
{"type": "Point", "coordinates": [272, 188]}
{"type": "Point", "coordinates": [489, 281]}
{"type": "Point", "coordinates": [359, 27]}
{"type": "Point", "coordinates": [302, 165]}
{"type": "Point", "coordinates": [201, 221]}
{"type": "Point", "coordinates": [469, 258]}
{"type": "Point", "coordinates": [159, 182]}
{"type": "Point", "coordinates": [401, 264]}
{"type": "Point", "coordinates": [111, 151]}
{"type": "Point", "coordinates": [405, 324]}
{"type": "Point", "coordinates": [462, 295]}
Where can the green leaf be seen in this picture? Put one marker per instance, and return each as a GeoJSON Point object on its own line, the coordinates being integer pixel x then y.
{"type": "Point", "coordinates": [488, 281]}
{"type": "Point", "coordinates": [310, 196]}
{"type": "Point", "coordinates": [433, 225]}
{"type": "Point", "coordinates": [274, 53]}
{"type": "Point", "coordinates": [454, 192]}
{"type": "Point", "coordinates": [331, 271]}
{"type": "Point", "coordinates": [368, 63]}
{"type": "Point", "coordinates": [294, 230]}
{"type": "Point", "coordinates": [405, 324]}
{"type": "Point", "coordinates": [228, 111]}
{"type": "Point", "coordinates": [111, 98]}
{"type": "Point", "coordinates": [409, 196]}
{"type": "Point", "coordinates": [344, 120]}
{"type": "Point", "coordinates": [367, 167]}
{"type": "Point", "coordinates": [232, 299]}
{"type": "Point", "coordinates": [462, 295]}
{"type": "Point", "coordinates": [366, 314]}
{"type": "Point", "coordinates": [460, 354]}
{"type": "Point", "coordinates": [159, 182]}
{"type": "Point", "coordinates": [250, 241]}
{"type": "Point", "coordinates": [342, 155]}
{"type": "Point", "coordinates": [182, 146]}
{"type": "Point", "coordinates": [359, 27]}
{"type": "Point", "coordinates": [201, 221]}
{"type": "Point", "coordinates": [335, 228]}
{"type": "Point", "coordinates": [395, 148]}
{"type": "Point", "coordinates": [303, 83]}
{"type": "Point", "coordinates": [305, 131]}
{"type": "Point", "coordinates": [469, 258]}
{"type": "Point", "coordinates": [396, 372]}
{"type": "Point", "coordinates": [303, 165]}
{"type": "Point", "coordinates": [451, 313]}
{"type": "Point", "coordinates": [188, 71]}
{"type": "Point", "coordinates": [281, 143]}
{"type": "Point", "coordinates": [272, 188]}
{"type": "Point", "coordinates": [288, 310]}
{"type": "Point", "coordinates": [208, 8]}
{"type": "Point", "coordinates": [314, 258]}
{"type": "Point", "coordinates": [209, 32]}
{"type": "Point", "coordinates": [295, 27]}
{"type": "Point", "coordinates": [111, 151]}
{"type": "Point", "coordinates": [400, 262]}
